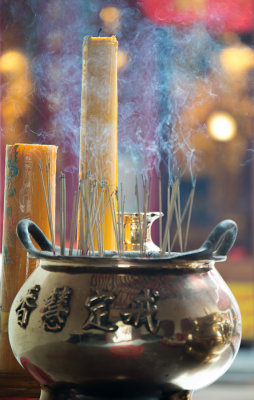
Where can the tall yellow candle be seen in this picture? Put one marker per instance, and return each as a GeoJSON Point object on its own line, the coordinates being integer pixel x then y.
{"type": "Point", "coordinates": [98, 135]}
{"type": "Point", "coordinates": [23, 198]}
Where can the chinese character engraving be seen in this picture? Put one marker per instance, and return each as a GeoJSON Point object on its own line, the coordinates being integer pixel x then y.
{"type": "Point", "coordinates": [57, 309]}
{"type": "Point", "coordinates": [98, 307]}
{"type": "Point", "coordinates": [27, 305]}
{"type": "Point", "coordinates": [142, 311]}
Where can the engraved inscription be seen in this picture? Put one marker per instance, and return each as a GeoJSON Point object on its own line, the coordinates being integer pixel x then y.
{"type": "Point", "coordinates": [57, 309]}
{"type": "Point", "coordinates": [98, 307]}
{"type": "Point", "coordinates": [143, 310]}
{"type": "Point", "coordinates": [27, 305]}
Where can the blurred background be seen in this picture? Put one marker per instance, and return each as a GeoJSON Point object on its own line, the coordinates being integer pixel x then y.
{"type": "Point", "coordinates": [186, 103]}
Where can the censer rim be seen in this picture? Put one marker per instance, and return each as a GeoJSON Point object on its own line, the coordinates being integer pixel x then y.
{"type": "Point", "coordinates": [214, 248]}
{"type": "Point", "coordinates": [82, 264]}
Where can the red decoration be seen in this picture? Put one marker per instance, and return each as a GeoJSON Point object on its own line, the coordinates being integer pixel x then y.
{"type": "Point", "coordinates": [127, 351]}
{"type": "Point", "coordinates": [218, 15]}
{"type": "Point", "coordinates": [41, 377]}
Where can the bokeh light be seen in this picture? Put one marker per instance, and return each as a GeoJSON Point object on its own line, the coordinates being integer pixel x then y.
{"type": "Point", "coordinates": [222, 126]}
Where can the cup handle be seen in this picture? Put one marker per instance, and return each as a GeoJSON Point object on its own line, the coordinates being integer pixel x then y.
{"type": "Point", "coordinates": [25, 228]}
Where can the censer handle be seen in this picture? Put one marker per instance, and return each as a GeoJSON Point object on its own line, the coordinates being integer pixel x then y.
{"type": "Point", "coordinates": [216, 246]}
{"type": "Point", "coordinates": [221, 239]}
{"type": "Point", "coordinates": [25, 228]}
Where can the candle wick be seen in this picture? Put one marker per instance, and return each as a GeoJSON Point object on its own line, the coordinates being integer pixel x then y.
{"type": "Point", "coordinates": [99, 31]}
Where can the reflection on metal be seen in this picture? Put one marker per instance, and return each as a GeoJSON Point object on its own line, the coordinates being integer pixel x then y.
{"type": "Point", "coordinates": [183, 395]}
{"type": "Point", "coordinates": [207, 337]}
{"type": "Point", "coordinates": [123, 333]}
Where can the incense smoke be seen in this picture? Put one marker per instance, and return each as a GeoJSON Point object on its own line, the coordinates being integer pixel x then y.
{"type": "Point", "coordinates": [156, 86]}
{"type": "Point", "coordinates": [159, 84]}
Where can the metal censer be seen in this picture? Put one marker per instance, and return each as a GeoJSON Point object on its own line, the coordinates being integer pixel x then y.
{"type": "Point", "coordinates": [125, 327]}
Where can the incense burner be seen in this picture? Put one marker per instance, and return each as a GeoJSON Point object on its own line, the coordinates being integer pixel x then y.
{"type": "Point", "coordinates": [125, 327]}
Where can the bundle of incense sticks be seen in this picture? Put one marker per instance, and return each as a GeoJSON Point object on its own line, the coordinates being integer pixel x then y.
{"type": "Point", "coordinates": [92, 199]}
{"type": "Point", "coordinates": [174, 208]}
{"type": "Point", "coordinates": [47, 197]}
{"type": "Point", "coordinates": [146, 189]}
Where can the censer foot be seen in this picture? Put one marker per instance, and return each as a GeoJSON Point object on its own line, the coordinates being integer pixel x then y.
{"type": "Point", "coordinates": [182, 395]}
{"type": "Point", "coordinates": [46, 394]}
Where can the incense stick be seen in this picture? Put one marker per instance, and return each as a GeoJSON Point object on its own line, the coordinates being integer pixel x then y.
{"type": "Point", "coordinates": [149, 191]}
{"type": "Point", "coordinates": [160, 211]}
{"type": "Point", "coordinates": [82, 222]}
{"type": "Point", "coordinates": [95, 219]}
{"type": "Point", "coordinates": [123, 230]}
{"type": "Point", "coordinates": [118, 223]}
{"type": "Point", "coordinates": [122, 217]}
{"type": "Point", "coordinates": [168, 206]}
{"type": "Point", "coordinates": [112, 209]}
{"type": "Point", "coordinates": [102, 224]}
{"type": "Point", "coordinates": [48, 175]}
{"type": "Point", "coordinates": [90, 201]}
{"type": "Point", "coordinates": [169, 217]}
{"type": "Point", "coordinates": [64, 210]}
{"type": "Point", "coordinates": [84, 194]}
{"type": "Point", "coordinates": [74, 220]}
{"type": "Point", "coordinates": [62, 213]}
{"type": "Point", "coordinates": [189, 214]}
{"type": "Point", "coordinates": [178, 219]}
{"type": "Point", "coordinates": [182, 218]}
{"type": "Point", "coordinates": [145, 205]}
{"type": "Point", "coordinates": [140, 227]}
{"type": "Point", "coordinates": [87, 205]}
{"type": "Point", "coordinates": [46, 200]}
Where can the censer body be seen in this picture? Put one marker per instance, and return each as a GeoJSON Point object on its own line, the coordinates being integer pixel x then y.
{"type": "Point", "coordinates": [111, 327]}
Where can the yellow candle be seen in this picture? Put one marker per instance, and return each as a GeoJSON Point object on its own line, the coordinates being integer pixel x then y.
{"type": "Point", "coordinates": [98, 136]}
{"type": "Point", "coordinates": [23, 198]}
